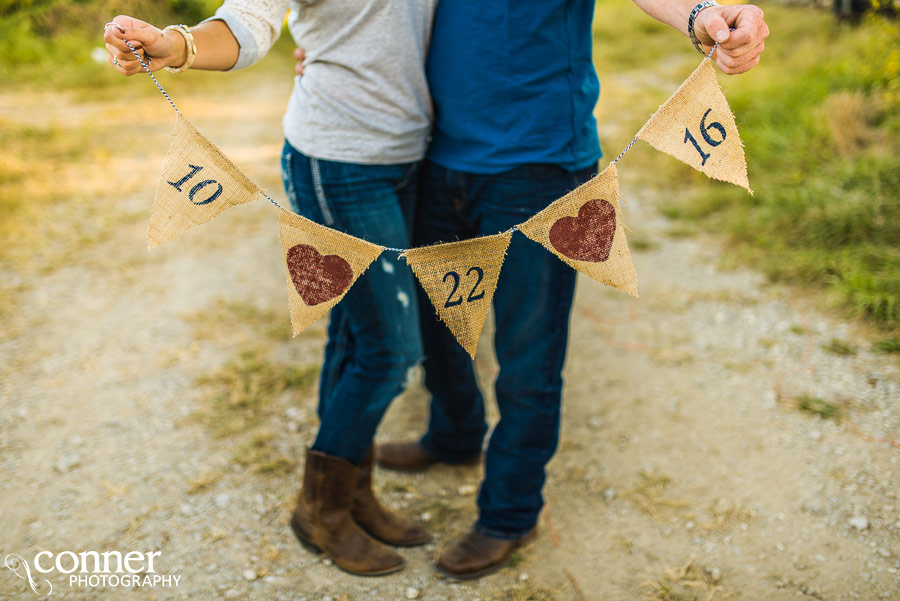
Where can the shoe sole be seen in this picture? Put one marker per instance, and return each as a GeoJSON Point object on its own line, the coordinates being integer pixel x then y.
{"type": "Point", "coordinates": [421, 468]}
{"type": "Point", "coordinates": [473, 575]}
{"type": "Point", "coordinates": [315, 549]}
{"type": "Point", "coordinates": [526, 540]}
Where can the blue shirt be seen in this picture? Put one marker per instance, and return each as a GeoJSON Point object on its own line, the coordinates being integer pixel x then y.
{"type": "Point", "coordinates": [513, 83]}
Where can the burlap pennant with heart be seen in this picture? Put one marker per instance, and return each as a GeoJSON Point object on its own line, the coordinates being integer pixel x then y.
{"type": "Point", "coordinates": [584, 228]}
{"type": "Point", "coordinates": [460, 279]}
{"type": "Point", "coordinates": [197, 183]}
{"type": "Point", "coordinates": [321, 263]}
{"type": "Point", "coordinates": [696, 126]}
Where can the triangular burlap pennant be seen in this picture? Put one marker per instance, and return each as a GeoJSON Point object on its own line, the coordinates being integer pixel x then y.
{"type": "Point", "coordinates": [584, 228]}
{"type": "Point", "coordinates": [197, 183]}
{"type": "Point", "coordinates": [460, 279]}
{"type": "Point", "coordinates": [321, 263]}
{"type": "Point", "coordinates": [696, 126]}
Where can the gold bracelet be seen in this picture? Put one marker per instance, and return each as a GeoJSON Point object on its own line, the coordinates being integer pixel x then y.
{"type": "Point", "coordinates": [185, 32]}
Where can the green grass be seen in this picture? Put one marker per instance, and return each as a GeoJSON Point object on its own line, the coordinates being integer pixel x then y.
{"type": "Point", "coordinates": [49, 42]}
{"type": "Point", "coordinates": [820, 121]}
{"type": "Point", "coordinates": [839, 347]}
{"type": "Point", "coordinates": [888, 345]}
{"type": "Point", "coordinates": [242, 391]}
{"type": "Point", "coordinates": [819, 407]}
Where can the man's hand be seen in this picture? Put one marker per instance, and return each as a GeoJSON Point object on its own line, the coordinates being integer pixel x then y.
{"type": "Point", "coordinates": [738, 50]}
{"type": "Point", "coordinates": [299, 56]}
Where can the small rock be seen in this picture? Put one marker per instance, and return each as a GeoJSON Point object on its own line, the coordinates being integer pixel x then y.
{"type": "Point", "coordinates": [859, 522]}
{"type": "Point", "coordinates": [819, 558]}
{"type": "Point", "coordinates": [609, 495]}
{"type": "Point", "coordinates": [222, 500]}
{"type": "Point", "coordinates": [689, 525]}
{"type": "Point", "coordinates": [249, 575]}
{"type": "Point", "coordinates": [886, 553]}
{"type": "Point", "coordinates": [326, 562]}
{"type": "Point", "coordinates": [186, 509]}
{"type": "Point", "coordinates": [412, 593]}
{"type": "Point", "coordinates": [426, 517]}
{"type": "Point", "coordinates": [20, 412]}
{"type": "Point", "coordinates": [467, 489]}
{"type": "Point", "coordinates": [293, 427]}
{"type": "Point", "coordinates": [67, 463]}
{"type": "Point", "coordinates": [232, 593]}
{"type": "Point", "coordinates": [523, 576]}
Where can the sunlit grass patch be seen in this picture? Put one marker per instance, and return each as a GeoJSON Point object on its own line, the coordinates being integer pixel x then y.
{"type": "Point", "coordinates": [818, 406]}
{"type": "Point", "coordinates": [526, 592]}
{"type": "Point", "coordinates": [224, 315]}
{"type": "Point", "coordinates": [888, 345]}
{"type": "Point", "coordinates": [649, 495]}
{"type": "Point", "coordinates": [243, 391]}
{"type": "Point", "coordinates": [687, 583]}
{"type": "Point", "coordinates": [839, 347]}
{"type": "Point", "coordinates": [261, 454]}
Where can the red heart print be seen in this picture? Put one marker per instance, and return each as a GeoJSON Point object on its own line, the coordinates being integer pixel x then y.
{"type": "Point", "coordinates": [317, 278]}
{"type": "Point", "coordinates": [589, 236]}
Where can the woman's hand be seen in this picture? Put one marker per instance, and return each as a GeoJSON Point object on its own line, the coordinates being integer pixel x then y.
{"type": "Point", "coordinates": [300, 57]}
{"type": "Point", "coordinates": [156, 48]}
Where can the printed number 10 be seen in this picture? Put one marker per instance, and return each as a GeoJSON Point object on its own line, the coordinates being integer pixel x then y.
{"type": "Point", "coordinates": [704, 131]}
{"type": "Point", "coordinates": [193, 191]}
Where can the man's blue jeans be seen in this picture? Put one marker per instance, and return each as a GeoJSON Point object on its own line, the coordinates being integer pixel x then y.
{"type": "Point", "coordinates": [531, 313]}
{"type": "Point", "coordinates": [373, 333]}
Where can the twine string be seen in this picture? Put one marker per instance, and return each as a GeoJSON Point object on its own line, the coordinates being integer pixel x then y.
{"type": "Point", "coordinates": [634, 141]}
{"type": "Point", "coordinates": [272, 200]}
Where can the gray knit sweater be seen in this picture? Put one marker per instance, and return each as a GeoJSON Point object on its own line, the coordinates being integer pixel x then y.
{"type": "Point", "coordinates": [363, 97]}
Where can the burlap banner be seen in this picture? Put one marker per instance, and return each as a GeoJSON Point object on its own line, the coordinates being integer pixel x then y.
{"type": "Point", "coordinates": [321, 263]}
{"type": "Point", "coordinates": [460, 279]}
{"type": "Point", "coordinates": [696, 126]}
{"type": "Point", "coordinates": [585, 229]}
{"type": "Point", "coordinates": [197, 183]}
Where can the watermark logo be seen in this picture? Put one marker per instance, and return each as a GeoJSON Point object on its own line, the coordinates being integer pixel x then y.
{"type": "Point", "coordinates": [20, 568]}
{"type": "Point", "coordinates": [132, 569]}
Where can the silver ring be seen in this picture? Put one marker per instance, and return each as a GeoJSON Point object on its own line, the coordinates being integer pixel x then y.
{"type": "Point", "coordinates": [116, 61]}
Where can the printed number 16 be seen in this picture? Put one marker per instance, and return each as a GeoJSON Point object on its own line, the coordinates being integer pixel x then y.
{"type": "Point", "coordinates": [704, 130]}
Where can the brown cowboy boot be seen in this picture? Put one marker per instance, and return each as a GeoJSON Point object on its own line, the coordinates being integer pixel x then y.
{"type": "Point", "coordinates": [408, 456]}
{"type": "Point", "coordinates": [476, 555]}
{"type": "Point", "coordinates": [382, 523]}
{"type": "Point", "coordinates": [322, 520]}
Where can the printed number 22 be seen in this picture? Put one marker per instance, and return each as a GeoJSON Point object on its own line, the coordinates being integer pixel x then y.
{"type": "Point", "coordinates": [704, 130]}
{"type": "Point", "coordinates": [451, 302]}
{"type": "Point", "coordinates": [197, 187]}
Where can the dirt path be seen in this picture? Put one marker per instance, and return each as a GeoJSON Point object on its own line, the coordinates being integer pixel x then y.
{"type": "Point", "coordinates": [686, 469]}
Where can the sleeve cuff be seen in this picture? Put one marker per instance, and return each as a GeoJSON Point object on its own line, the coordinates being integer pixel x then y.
{"type": "Point", "coordinates": [249, 51]}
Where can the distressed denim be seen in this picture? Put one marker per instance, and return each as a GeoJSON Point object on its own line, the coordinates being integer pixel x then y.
{"type": "Point", "coordinates": [531, 313]}
{"type": "Point", "coordinates": [373, 332]}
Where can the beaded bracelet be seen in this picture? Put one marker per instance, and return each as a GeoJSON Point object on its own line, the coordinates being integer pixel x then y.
{"type": "Point", "coordinates": [690, 29]}
{"type": "Point", "coordinates": [185, 32]}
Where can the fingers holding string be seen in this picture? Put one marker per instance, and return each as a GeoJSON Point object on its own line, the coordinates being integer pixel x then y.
{"type": "Point", "coordinates": [125, 54]}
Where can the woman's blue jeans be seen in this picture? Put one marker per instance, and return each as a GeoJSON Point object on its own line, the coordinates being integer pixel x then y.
{"type": "Point", "coordinates": [373, 333]}
{"type": "Point", "coordinates": [531, 314]}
